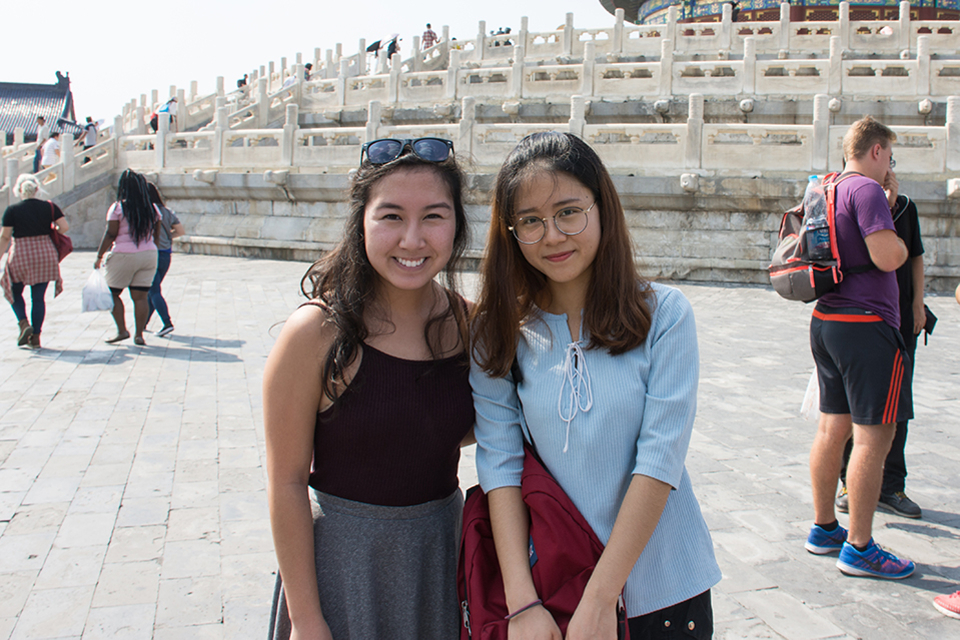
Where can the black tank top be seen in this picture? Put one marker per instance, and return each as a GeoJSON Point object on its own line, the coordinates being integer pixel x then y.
{"type": "Point", "coordinates": [393, 437]}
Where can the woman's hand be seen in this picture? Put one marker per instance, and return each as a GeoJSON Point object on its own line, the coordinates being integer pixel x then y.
{"type": "Point", "coordinates": [593, 620]}
{"type": "Point", "coordinates": [535, 623]}
{"type": "Point", "coordinates": [314, 630]}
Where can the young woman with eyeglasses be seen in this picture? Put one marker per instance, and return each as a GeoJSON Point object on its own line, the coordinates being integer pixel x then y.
{"type": "Point", "coordinates": [366, 404]}
{"type": "Point", "coordinates": [601, 367]}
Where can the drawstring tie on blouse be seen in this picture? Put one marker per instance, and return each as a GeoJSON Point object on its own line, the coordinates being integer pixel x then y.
{"type": "Point", "coordinates": [580, 396]}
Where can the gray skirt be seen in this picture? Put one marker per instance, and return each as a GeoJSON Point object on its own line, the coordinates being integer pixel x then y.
{"type": "Point", "coordinates": [383, 572]}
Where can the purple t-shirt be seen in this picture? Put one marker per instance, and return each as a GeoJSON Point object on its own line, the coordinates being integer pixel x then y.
{"type": "Point", "coordinates": [862, 209]}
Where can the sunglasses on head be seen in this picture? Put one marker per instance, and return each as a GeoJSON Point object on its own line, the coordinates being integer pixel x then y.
{"type": "Point", "coordinates": [387, 150]}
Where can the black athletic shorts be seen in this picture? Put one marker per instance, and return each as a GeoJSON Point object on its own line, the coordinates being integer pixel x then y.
{"type": "Point", "coordinates": [862, 365]}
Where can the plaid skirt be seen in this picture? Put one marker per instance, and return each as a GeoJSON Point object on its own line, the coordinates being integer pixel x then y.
{"type": "Point", "coordinates": [31, 260]}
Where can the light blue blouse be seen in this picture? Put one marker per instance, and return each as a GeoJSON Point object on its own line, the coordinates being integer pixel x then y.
{"type": "Point", "coordinates": [597, 420]}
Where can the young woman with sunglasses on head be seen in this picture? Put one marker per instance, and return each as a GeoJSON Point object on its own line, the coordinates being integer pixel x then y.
{"type": "Point", "coordinates": [600, 367]}
{"type": "Point", "coordinates": [369, 381]}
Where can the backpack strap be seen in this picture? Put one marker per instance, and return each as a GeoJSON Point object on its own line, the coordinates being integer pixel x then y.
{"type": "Point", "coordinates": [830, 182]}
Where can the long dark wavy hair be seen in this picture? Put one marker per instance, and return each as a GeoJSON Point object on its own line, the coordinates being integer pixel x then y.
{"type": "Point", "coordinates": [344, 282]}
{"type": "Point", "coordinates": [618, 309]}
{"type": "Point", "coordinates": [134, 198]}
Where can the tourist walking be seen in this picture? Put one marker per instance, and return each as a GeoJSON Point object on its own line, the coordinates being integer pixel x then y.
{"type": "Point", "coordinates": [32, 260]}
{"type": "Point", "coordinates": [50, 154]}
{"type": "Point", "coordinates": [43, 134]}
{"type": "Point", "coordinates": [429, 37]}
{"type": "Point", "coordinates": [861, 360]}
{"type": "Point", "coordinates": [132, 227]}
{"type": "Point", "coordinates": [564, 313]}
{"type": "Point", "coordinates": [369, 381]}
{"type": "Point", "coordinates": [170, 228]}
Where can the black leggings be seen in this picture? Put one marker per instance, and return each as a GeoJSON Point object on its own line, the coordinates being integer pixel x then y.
{"type": "Point", "coordinates": [691, 618]}
{"type": "Point", "coordinates": [38, 308]}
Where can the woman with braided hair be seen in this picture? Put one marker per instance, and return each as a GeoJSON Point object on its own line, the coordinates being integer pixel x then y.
{"type": "Point", "coordinates": [130, 237]}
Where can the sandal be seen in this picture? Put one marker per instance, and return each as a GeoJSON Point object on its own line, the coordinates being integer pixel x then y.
{"type": "Point", "coordinates": [139, 341]}
{"type": "Point", "coordinates": [117, 338]}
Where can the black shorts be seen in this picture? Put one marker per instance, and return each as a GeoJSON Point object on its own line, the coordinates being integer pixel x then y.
{"type": "Point", "coordinates": [862, 366]}
{"type": "Point", "coordinates": [692, 619]}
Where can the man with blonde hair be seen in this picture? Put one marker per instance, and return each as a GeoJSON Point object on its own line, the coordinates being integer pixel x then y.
{"type": "Point", "coordinates": [861, 358]}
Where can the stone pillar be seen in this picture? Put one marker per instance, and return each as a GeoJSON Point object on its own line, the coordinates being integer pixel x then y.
{"type": "Point", "coordinates": [393, 84]}
{"type": "Point", "coordinates": [270, 69]}
{"type": "Point", "coordinates": [416, 58]}
{"type": "Point", "coordinates": [578, 115]}
{"type": "Point", "coordinates": [316, 57]}
{"type": "Point", "coordinates": [516, 72]}
{"type": "Point", "coordinates": [374, 112]}
{"type": "Point", "coordinates": [452, 78]}
{"type": "Point", "coordinates": [223, 124]}
{"type": "Point", "coordinates": [160, 144]}
{"type": "Point", "coordinates": [904, 20]}
{"type": "Point", "coordinates": [953, 133]}
{"type": "Point", "coordinates": [923, 65]}
{"type": "Point", "coordinates": [221, 92]}
{"type": "Point", "coordinates": [18, 137]}
{"type": "Point", "coordinates": [820, 153]}
{"type": "Point", "coordinates": [263, 108]}
{"type": "Point", "coordinates": [785, 27]}
{"type": "Point", "coordinates": [362, 57]}
{"type": "Point", "coordinates": [154, 99]}
{"type": "Point", "coordinates": [749, 64]}
{"type": "Point", "coordinates": [845, 25]}
{"type": "Point", "coordinates": [11, 174]}
{"type": "Point", "coordinates": [691, 155]}
{"type": "Point", "coordinates": [299, 57]}
{"type": "Point", "coordinates": [173, 91]}
{"type": "Point", "coordinates": [618, 31]}
{"type": "Point", "coordinates": [143, 100]}
{"type": "Point", "coordinates": [342, 81]}
{"type": "Point", "coordinates": [328, 70]}
{"type": "Point", "coordinates": [568, 35]}
{"type": "Point", "coordinates": [69, 161]}
{"type": "Point", "coordinates": [666, 66]}
{"type": "Point", "coordinates": [3, 180]}
{"type": "Point", "coordinates": [141, 126]}
{"type": "Point", "coordinates": [481, 39]}
{"type": "Point", "coordinates": [523, 36]}
{"type": "Point", "coordinates": [588, 68]}
{"type": "Point", "coordinates": [468, 117]}
{"type": "Point", "coordinates": [283, 69]}
{"type": "Point", "coordinates": [193, 90]}
{"type": "Point", "coordinates": [671, 36]}
{"type": "Point", "coordinates": [181, 123]}
{"type": "Point", "coordinates": [291, 124]}
{"type": "Point", "coordinates": [726, 27]}
{"type": "Point", "coordinates": [445, 44]}
{"type": "Point", "coordinates": [219, 101]}
{"type": "Point", "coordinates": [835, 82]}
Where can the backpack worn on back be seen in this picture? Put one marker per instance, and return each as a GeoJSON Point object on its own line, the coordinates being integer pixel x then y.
{"type": "Point", "coordinates": [563, 554]}
{"type": "Point", "coordinates": [793, 273]}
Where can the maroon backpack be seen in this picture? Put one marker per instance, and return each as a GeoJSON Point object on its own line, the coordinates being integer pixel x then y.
{"type": "Point", "coordinates": [563, 553]}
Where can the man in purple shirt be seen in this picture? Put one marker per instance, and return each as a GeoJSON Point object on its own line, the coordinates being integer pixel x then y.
{"type": "Point", "coordinates": [861, 358]}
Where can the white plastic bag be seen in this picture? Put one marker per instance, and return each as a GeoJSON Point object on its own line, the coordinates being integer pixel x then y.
{"type": "Point", "coordinates": [810, 408]}
{"type": "Point", "coordinates": [96, 293]}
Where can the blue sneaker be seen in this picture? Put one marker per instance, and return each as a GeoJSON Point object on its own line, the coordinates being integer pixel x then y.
{"type": "Point", "coordinates": [874, 562]}
{"type": "Point", "coordinates": [821, 542]}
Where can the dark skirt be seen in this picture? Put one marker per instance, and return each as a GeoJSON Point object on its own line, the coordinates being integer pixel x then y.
{"type": "Point", "coordinates": [383, 572]}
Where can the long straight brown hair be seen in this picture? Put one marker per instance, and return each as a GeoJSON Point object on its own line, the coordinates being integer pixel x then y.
{"type": "Point", "coordinates": [619, 302]}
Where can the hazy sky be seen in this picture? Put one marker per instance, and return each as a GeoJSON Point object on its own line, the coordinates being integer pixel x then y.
{"type": "Point", "coordinates": [133, 47]}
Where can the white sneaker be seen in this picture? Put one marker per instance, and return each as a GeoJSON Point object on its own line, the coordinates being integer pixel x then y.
{"type": "Point", "coordinates": [164, 331]}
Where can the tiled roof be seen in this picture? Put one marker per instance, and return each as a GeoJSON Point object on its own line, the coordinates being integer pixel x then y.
{"type": "Point", "coordinates": [21, 103]}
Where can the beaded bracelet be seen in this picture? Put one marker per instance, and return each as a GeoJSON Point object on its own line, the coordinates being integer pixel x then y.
{"type": "Point", "coordinates": [510, 616]}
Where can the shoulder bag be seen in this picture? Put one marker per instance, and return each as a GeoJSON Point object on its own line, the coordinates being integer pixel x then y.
{"type": "Point", "coordinates": [63, 243]}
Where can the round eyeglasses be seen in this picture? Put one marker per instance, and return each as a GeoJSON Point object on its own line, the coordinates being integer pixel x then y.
{"type": "Point", "coordinates": [569, 221]}
{"type": "Point", "coordinates": [893, 163]}
{"type": "Point", "coordinates": [387, 150]}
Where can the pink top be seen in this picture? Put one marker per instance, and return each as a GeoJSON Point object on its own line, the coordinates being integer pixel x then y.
{"type": "Point", "coordinates": [124, 242]}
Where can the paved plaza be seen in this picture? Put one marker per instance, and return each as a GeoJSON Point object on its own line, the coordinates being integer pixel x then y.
{"type": "Point", "coordinates": [132, 500]}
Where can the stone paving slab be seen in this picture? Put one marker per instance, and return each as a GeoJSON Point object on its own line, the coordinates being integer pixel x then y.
{"type": "Point", "coordinates": [132, 499]}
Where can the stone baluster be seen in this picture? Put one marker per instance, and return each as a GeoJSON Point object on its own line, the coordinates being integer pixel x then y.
{"type": "Point", "coordinates": [468, 117]}
{"type": "Point", "coordinates": [291, 124]}
{"type": "Point", "coordinates": [588, 68]}
{"type": "Point", "coordinates": [416, 58]}
{"type": "Point", "coordinates": [524, 34]}
{"type": "Point", "coordinates": [141, 126]}
{"type": "Point", "coordinates": [845, 25]}
{"type": "Point", "coordinates": [143, 100]}
{"type": "Point", "coordinates": [3, 167]}
{"type": "Point", "coordinates": [223, 123]}
{"type": "Point", "coordinates": [316, 58]}
{"type": "Point", "coordinates": [481, 46]}
{"type": "Point", "coordinates": [263, 111]}
{"type": "Point", "coordinates": [283, 70]}
{"type": "Point", "coordinates": [328, 69]}
{"type": "Point", "coordinates": [618, 31]}
{"type": "Point", "coordinates": [154, 99]}
{"type": "Point", "coordinates": [18, 137]}
{"type": "Point", "coordinates": [173, 91]}
{"type": "Point", "coordinates": [374, 113]}
{"type": "Point", "coordinates": [749, 65]}
{"type": "Point", "coordinates": [393, 83]}
{"type": "Point", "coordinates": [516, 72]}
{"type": "Point", "coordinates": [785, 27]}
{"type": "Point", "coordinates": [270, 69]}
{"type": "Point", "coordinates": [193, 91]}
{"type": "Point", "coordinates": [923, 65]}
{"type": "Point", "coordinates": [262, 74]}
{"type": "Point", "coordinates": [568, 36]}
{"type": "Point", "coordinates": [299, 57]}
{"type": "Point", "coordinates": [362, 57]}
{"type": "Point", "coordinates": [672, 12]}
{"type": "Point", "coordinates": [691, 154]}
{"type": "Point", "coordinates": [666, 66]}
{"type": "Point", "coordinates": [221, 92]}
{"type": "Point", "coordinates": [953, 133]}
{"type": "Point", "coordinates": [453, 68]}
{"type": "Point", "coordinates": [820, 153]}
{"type": "Point", "coordinates": [160, 143]}
{"type": "Point", "coordinates": [726, 27]}
{"type": "Point", "coordinates": [12, 173]}
{"type": "Point", "coordinates": [578, 114]}
{"type": "Point", "coordinates": [445, 44]}
{"type": "Point", "coordinates": [835, 81]}
{"type": "Point", "coordinates": [904, 20]}
{"type": "Point", "coordinates": [181, 123]}
{"type": "Point", "coordinates": [342, 81]}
